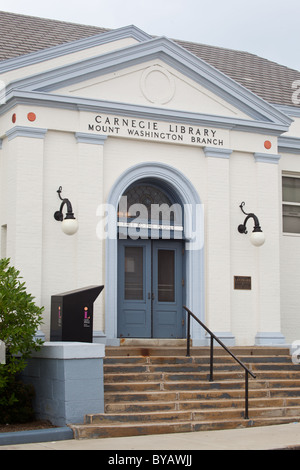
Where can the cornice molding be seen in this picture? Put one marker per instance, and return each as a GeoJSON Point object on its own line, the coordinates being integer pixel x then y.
{"type": "Point", "coordinates": [217, 152]}
{"type": "Point", "coordinates": [84, 138]}
{"type": "Point", "coordinates": [293, 111]}
{"type": "Point", "coordinates": [267, 158]}
{"type": "Point", "coordinates": [47, 100]}
{"type": "Point", "coordinates": [22, 131]}
{"type": "Point", "coordinates": [289, 145]}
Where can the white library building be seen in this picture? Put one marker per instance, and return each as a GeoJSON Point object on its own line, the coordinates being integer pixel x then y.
{"type": "Point", "coordinates": [166, 171]}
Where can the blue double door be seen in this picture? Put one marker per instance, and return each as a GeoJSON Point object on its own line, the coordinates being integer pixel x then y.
{"type": "Point", "coordinates": [150, 289]}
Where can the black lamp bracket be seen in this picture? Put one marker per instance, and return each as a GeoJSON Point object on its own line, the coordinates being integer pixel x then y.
{"type": "Point", "coordinates": [58, 215]}
{"type": "Point", "coordinates": [242, 228]}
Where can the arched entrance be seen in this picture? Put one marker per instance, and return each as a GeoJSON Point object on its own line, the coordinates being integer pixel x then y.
{"type": "Point", "coordinates": [150, 262]}
{"type": "Point", "coordinates": [183, 193]}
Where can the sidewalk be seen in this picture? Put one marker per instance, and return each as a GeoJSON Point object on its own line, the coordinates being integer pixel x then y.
{"type": "Point", "coordinates": [257, 438]}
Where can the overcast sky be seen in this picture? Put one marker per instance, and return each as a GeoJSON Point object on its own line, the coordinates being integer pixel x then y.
{"type": "Point", "coordinates": [268, 28]}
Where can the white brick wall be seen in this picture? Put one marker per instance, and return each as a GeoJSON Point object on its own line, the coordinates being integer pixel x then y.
{"type": "Point", "coordinates": [290, 266]}
{"type": "Point", "coordinates": [51, 262]}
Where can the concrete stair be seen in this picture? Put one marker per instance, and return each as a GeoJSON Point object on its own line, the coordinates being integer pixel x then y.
{"type": "Point", "coordinates": [157, 390]}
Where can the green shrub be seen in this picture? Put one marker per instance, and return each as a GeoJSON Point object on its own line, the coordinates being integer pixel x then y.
{"type": "Point", "coordinates": [17, 403]}
{"type": "Point", "coordinates": [20, 319]}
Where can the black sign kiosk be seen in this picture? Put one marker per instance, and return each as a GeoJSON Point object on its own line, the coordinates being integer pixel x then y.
{"type": "Point", "coordinates": [72, 315]}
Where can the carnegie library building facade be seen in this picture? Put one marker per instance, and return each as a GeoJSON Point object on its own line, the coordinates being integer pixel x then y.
{"type": "Point", "coordinates": [175, 168]}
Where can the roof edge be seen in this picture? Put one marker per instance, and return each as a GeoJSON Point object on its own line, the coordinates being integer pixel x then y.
{"type": "Point", "coordinates": [73, 46]}
{"type": "Point", "coordinates": [173, 54]}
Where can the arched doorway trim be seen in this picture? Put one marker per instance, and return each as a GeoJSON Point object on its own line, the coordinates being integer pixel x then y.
{"type": "Point", "coordinates": [194, 274]}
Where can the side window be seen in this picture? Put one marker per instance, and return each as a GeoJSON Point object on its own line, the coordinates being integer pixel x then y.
{"type": "Point", "coordinates": [291, 204]}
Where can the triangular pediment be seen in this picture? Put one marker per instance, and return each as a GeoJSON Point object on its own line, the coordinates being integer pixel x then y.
{"type": "Point", "coordinates": [152, 74]}
{"type": "Point", "coordinates": [153, 84]}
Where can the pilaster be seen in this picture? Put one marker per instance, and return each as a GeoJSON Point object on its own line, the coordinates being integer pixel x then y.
{"type": "Point", "coordinates": [217, 243]}
{"type": "Point", "coordinates": [25, 204]}
{"type": "Point", "coordinates": [268, 255]}
{"type": "Point", "coordinates": [90, 250]}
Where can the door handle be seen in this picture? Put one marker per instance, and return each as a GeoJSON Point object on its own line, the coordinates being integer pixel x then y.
{"type": "Point", "coordinates": [151, 296]}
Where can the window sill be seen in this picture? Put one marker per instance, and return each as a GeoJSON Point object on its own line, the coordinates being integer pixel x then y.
{"type": "Point", "coordinates": [287, 234]}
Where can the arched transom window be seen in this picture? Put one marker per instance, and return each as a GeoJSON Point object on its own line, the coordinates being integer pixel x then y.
{"type": "Point", "coordinates": [148, 205]}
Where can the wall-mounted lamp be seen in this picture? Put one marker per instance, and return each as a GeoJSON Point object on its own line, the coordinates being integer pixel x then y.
{"type": "Point", "coordinates": [257, 236]}
{"type": "Point", "coordinates": [69, 223]}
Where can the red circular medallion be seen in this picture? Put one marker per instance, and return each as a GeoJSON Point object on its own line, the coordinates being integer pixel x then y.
{"type": "Point", "coordinates": [31, 117]}
{"type": "Point", "coordinates": [267, 144]}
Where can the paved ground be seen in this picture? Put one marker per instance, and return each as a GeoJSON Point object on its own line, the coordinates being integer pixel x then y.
{"type": "Point", "coordinates": [256, 438]}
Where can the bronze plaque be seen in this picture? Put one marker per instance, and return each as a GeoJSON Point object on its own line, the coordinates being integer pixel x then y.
{"type": "Point", "coordinates": [242, 282]}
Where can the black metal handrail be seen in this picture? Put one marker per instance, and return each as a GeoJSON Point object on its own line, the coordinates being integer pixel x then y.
{"type": "Point", "coordinates": [212, 338]}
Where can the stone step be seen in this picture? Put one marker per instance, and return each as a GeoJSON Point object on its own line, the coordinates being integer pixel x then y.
{"type": "Point", "coordinates": [162, 377]}
{"type": "Point", "coordinates": [177, 385]}
{"type": "Point", "coordinates": [93, 431]}
{"type": "Point", "coordinates": [142, 417]}
{"type": "Point", "coordinates": [182, 360]}
{"type": "Point", "coordinates": [199, 376]}
{"type": "Point", "coordinates": [193, 415]}
{"type": "Point", "coordinates": [152, 387]}
{"type": "Point", "coordinates": [149, 407]}
{"type": "Point", "coordinates": [170, 351]}
{"type": "Point", "coordinates": [276, 367]}
{"type": "Point", "coordinates": [142, 368]}
{"type": "Point", "coordinates": [187, 395]}
{"type": "Point", "coordinates": [284, 392]}
{"type": "Point", "coordinates": [140, 407]}
{"type": "Point", "coordinates": [142, 371]}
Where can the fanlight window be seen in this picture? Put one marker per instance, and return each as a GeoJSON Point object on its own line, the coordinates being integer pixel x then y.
{"type": "Point", "coordinates": [148, 195]}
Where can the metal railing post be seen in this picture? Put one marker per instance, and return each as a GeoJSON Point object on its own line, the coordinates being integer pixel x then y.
{"type": "Point", "coordinates": [211, 375]}
{"type": "Point", "coordinates": [212, 337]}
{"type": "Point", "coordinates": [246, 394]}
{"type": "Point", "coordinates": [188, 334]}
